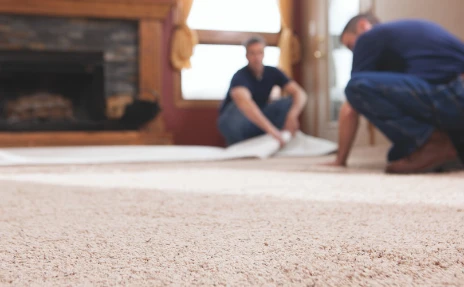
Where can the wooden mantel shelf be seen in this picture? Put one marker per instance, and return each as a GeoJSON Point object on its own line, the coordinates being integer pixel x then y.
{"type": "Point", "coordinates": [38, 139]}
{"type": "Point", "coordinates": [119, 9]}
{"type": "Point", "coordinates": [150, 15]}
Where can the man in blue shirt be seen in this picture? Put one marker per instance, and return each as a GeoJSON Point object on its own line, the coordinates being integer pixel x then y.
{"type": "Point", "coordinates": [407, 80]}
{"type": "Point", "coordinates": [247, 111]}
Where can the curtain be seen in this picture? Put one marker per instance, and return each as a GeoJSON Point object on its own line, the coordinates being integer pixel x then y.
{"type": "Point", "coordinates": [183, 39]}
{"type": "Point", "coordinates": [290, 50]}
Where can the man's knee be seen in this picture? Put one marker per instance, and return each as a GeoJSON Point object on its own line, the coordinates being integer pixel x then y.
{"type": "Point", "coordinates": [231, 126]}
{"type": "Point", "coordinates": [357, 89]}
{"type": "Point", "coordinates": [284, 104]}
{"type": "Point", "coordinates": [288, 102]}
{"type": "Point", "coordinates": [222, 125]}
{"type": "Point", "coordinates": [228, 127]}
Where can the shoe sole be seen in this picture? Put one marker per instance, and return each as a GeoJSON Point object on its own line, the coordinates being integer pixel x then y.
{"type": "Point", "coordinates": [447, 166]}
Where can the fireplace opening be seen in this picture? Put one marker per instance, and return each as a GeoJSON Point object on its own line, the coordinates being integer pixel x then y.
{"type": "Point", "coordinates": [51, 91]}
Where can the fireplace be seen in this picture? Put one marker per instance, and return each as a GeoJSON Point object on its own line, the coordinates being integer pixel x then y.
{"type": "Point", "coordinates": [119, 44]}
{"type": "Point", "coordinates": [51, 90]}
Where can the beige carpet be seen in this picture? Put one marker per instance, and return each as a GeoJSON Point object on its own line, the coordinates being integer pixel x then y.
{"type": "Point", "coordinates": [274, 222]}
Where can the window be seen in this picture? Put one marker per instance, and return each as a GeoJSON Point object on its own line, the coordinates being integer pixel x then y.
{"type": "Point", "coordinates": [222, 26]}
{"type": "Point", "coordinates": [340, 12]}
{"type": "Point", "coordinates": [235, 15]}
{"type": "Point", "coordinates": [213, 67]}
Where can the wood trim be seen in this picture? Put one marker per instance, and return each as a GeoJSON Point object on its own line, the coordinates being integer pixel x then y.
{"type": "Point", "coordinates": [71, 138]}
{"type": "Point", "coordinates": [234, 38]}
{"type": "Point", "coordinates": [150, 67]}
{"type": "Point", "coordinates": [120, 9]}
{"type": "Point", "coordinates": [149, 58]}
{"type": "Point", "coordinates": [180, 102]}
{"type": "Point", "coordinates": [314, 25]}
{"type": "Point", "coordinates": [132, 2]}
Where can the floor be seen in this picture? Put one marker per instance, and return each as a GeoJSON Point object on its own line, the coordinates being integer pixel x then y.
{"type": "Point", "coordinates": [280, 221]}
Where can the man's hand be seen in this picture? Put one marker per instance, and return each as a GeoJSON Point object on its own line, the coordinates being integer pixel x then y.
{"type": "Point", "coordinates": [336, 163]}
{"type": "Point", "coordinates": [348, 123]}
{"type": "Point", "coordinates": [243, 100]}
{"type": "Point", "coordinates": [292, 124]}
{"type": "Point", "coordinates": [299, 101]}
{"type": "Point", "coordinates": [276, 134]}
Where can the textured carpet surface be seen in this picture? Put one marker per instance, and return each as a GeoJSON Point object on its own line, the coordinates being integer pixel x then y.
{"type": "Point", "coordinates": [278, 222]}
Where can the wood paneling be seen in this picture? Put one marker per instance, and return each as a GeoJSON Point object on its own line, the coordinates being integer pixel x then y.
{"type": "Point", "coordinates": [120, 9]}
{"type": "Point", "coordinates": [81, 138]}
{"type": "Point", "coordinates": [150, 66]}
{"type": "Point", "coordinates": [148, 2]}
{"type": "Point", "coordinates": [149, 58]}
{"type": "Point", "coordinates": [234, 38]}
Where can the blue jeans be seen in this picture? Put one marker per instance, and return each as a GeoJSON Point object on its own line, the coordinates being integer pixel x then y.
{"type": "Point", "coordinates": [235, 127]}
{"type": "Point", "coordinates": [407, 109]}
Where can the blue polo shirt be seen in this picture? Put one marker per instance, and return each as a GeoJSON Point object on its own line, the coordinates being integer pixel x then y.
{"type": "Point", "coordinates": [260, 89]}
{"type": "Point", "coordinates": [415, 47]}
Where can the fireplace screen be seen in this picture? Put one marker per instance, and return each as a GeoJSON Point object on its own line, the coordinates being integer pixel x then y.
{"type": "Point", "coordinates": [47, 91]}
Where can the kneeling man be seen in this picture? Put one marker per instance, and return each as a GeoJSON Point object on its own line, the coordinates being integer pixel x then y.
{"type": "Point", "coordinates": [247, 111]}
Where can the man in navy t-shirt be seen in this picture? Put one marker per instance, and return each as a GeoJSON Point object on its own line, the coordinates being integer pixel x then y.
{"type": "Point", "coordinates": [247, 112]}
{"type": "Point", "coordinates": [407, 80]}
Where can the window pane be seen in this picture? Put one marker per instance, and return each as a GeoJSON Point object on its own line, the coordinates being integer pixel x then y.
{"type": "Point", "coordinates": [213, 67]}
{"type": "Point", "coordinates": [340, 58]}
{"type": "Point", "coordinates": [235, 15]}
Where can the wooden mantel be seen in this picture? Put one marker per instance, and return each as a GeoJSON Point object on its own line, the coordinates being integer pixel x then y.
{"type": "Point", "coordinates": [115, 9]}
{"type": "Point", "coordinates": [150, 15]}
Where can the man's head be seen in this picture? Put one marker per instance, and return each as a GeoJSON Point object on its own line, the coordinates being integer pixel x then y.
{"type": "Point", "coordinates": [255, 53]}
{"type": "Point", "coordinates": [356, 27]}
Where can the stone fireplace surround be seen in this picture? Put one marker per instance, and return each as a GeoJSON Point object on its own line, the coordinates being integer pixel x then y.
{"type": "Point", "coordinates": [127, 32]}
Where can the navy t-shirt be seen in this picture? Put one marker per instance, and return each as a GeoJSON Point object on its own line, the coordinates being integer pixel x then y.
{"type": "Point", "coordinates": [260, 89]}
{"type": "Point", "coordinates": [415, 47]}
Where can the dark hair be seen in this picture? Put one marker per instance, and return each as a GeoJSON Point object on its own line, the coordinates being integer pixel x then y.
{"type": "Point", "coordinates": [351, 25]}
{"type": "Point", "coordinates": [254, 40]}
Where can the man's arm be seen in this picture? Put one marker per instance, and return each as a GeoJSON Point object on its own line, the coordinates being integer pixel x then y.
{"type": "Point", "coordinates": [243, 99]}
{"type": "Point", "coordinates": [299, 98]}
{"type": "Point", "coordinates": [348, 123]}
{"type": "Point", "coordinates": [367, 51]}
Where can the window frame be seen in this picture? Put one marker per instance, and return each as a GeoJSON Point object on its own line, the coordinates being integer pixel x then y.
{"type": "Point", "coordinates": [216, 37]}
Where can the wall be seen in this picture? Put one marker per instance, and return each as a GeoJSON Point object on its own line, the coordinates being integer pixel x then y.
{"type": "Point", "coordinates": [195, 126]}
{"type": "Point", "coordinates": [446, 12]}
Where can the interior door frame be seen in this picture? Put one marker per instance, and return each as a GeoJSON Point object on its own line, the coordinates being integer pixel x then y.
{"type": "Point", "coordinates": [316, 116]}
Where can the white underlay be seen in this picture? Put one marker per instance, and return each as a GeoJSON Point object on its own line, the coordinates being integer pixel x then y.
{"type": "Point", "coordinates": [260, 147]}
{"type": "Point", "coordinates": [323, 187]}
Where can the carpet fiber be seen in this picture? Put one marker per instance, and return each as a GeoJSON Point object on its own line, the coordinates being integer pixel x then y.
{"type": "Point", "coordinates": [273, 222]}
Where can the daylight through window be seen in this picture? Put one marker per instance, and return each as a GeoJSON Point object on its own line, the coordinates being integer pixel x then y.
{"type": "Point", "coordinates": [216, 60]}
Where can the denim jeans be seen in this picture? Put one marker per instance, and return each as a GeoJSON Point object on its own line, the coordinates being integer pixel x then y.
{"type": "Point", "coordinates": [235, 127]}
{"type": "Point", "coordinates": [407, 109]}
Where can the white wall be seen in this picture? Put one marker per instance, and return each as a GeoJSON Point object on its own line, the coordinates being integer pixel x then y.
{"type": "Point", "coordinates": [449, 13]}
